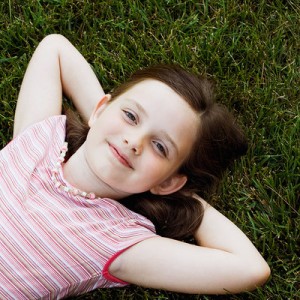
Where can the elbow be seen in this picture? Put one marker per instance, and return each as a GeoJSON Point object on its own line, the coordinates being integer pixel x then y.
{"type": "Point", "coordinates": [263, 275]}
{"type": "Point", "coordinates": [259, 275]}
{"type": "Point", "coordinates": [53, 40]}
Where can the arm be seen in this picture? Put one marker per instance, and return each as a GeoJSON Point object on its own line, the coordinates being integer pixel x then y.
{"type": "Point", "coordinates": [226, 261]}
{"type": "Point", "coordinates": [55, 68]}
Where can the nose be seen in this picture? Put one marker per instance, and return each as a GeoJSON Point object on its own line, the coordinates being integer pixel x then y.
{"type": "Point", "coordinates": [135, 144]}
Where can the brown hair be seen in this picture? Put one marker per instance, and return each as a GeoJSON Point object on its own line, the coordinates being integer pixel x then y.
{"type": "Point", "coordinates": [219, 142]}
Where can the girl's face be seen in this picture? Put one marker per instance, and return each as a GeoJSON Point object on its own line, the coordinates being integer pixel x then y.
{"type": "Point", "coordinates": [138, 141]}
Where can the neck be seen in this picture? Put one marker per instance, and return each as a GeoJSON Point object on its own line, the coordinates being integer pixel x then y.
{"type": "Point", "coordinates": [79, 174]}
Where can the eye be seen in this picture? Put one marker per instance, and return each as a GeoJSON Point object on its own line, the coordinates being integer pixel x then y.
{"type": "Point", "coordinates": [130, 116]}
{"type": "Point", "coordinates": [160, 148]}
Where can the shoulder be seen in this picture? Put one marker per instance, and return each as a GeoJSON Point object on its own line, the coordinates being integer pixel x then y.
{"type": "Point", "coordinates": [38, 137]}
{"type": "Point", "coordinates": [54, 125]}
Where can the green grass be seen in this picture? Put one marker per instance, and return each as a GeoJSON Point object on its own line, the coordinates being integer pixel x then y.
{"type": "Point", "coordinates": [251, 48]}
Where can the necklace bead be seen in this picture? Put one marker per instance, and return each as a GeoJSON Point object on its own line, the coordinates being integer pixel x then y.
{"type": "Point", "coordinates": [60, 185]}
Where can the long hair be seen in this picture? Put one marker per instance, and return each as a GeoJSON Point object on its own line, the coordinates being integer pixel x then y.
{"type": "Point", "coordinates": [218, 143]}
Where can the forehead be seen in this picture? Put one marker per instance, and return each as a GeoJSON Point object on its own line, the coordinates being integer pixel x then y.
{"type": "Point", "coordinates": [151, 92]}
{"type": "Point", "coordinates": [165, 109]}
{"type": "Point", "coordinates": [155, 87]}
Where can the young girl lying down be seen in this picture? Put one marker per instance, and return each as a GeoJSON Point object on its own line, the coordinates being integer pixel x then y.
{"type": "Point", "coordinates": [111, 202]}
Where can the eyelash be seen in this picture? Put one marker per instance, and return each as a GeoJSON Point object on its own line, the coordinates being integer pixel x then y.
{"type": "Point", "coordinates": [133, 119]}
{"type": "Point", "coordinates": [160, 148]}
{"type": "Point", "coordinates": [130, 116]}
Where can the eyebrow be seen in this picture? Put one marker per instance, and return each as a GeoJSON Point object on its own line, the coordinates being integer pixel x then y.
{"type": "Point", "coordinates": [165, 135]}
{"type": "Point", "coordinates": [140, 108]}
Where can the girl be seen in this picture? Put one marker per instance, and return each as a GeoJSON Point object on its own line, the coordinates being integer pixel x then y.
{"type": "Point", "coordinates": [114, 208]}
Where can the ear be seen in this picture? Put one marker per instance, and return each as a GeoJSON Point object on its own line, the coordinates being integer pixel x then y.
{"type": "Point", "coordinates": [170, 185]}
{"type": "Point", "coordinates": [100, 106]}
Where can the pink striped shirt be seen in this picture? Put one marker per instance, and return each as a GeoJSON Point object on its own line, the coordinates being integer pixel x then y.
{"type": "Point", "coordinates": [54, 244]}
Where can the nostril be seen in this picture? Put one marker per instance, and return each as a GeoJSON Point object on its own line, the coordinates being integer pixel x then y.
{"type": "Point", "coordinates": [137, 150]}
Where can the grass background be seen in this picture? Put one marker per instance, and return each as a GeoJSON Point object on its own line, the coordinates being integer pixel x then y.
{"type": "Point", "coordinates": [252, 50]}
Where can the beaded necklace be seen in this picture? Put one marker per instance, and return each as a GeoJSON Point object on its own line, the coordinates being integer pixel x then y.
{"type": "Point", "coordinates": [59, 185]}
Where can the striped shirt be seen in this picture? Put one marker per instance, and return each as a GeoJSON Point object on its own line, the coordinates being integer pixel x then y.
{"type": "Point", "coordinates": [54, 244]}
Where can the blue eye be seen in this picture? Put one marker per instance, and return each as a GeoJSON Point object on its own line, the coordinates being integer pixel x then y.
{"type": "Point", "coordinates": [130, 116]}
{"type": "Point", "coordinates": [160, 148]}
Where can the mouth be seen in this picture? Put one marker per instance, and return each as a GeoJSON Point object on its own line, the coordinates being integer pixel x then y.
{"type": "Point", "coordinates": [122, 158]}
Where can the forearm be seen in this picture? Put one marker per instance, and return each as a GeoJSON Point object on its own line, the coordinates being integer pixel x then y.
{"type": "Point", "coordinates": [176, 266]}
{"type": "Point", "coordinates": [55, 68]}
{"type": "Point", "coordinates": [79, 82]}
{"type": "Point", "coordinates": [218, 232]}
{"type": "Point", "coordinates": [224, 262]}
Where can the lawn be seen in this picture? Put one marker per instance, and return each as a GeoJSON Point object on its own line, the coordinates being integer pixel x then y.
{"type": "Point", "coordinates": [250, 48]}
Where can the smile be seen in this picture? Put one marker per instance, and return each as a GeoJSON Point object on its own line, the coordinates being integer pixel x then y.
{"type": "Point", "coordinates": [120, 156]}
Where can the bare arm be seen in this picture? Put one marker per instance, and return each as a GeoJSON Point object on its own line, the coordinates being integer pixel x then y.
{"type": "Point", "coordinates": [55, 68]}
{"type": "Point", "coordinates": [226, 261]}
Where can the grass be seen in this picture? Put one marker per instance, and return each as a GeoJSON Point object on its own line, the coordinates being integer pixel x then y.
{"type": "Point", "coordinates": [251, 48]}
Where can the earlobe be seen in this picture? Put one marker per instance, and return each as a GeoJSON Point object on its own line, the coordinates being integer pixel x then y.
{"type": "Point", "coordinates": [100, 106]}
{"type": "Point", "coordinates": [170, 185]}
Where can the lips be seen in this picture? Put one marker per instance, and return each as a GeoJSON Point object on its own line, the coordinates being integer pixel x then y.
{"type": "Point", "coordinates": [122, 158]}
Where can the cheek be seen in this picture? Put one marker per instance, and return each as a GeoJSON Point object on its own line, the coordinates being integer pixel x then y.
{"type": "Point", "coordinates": [112, 123]}
{"type": "Point", "coordinates": [105, 125]}
{"type": "Point", "coordinates": [156, 170]}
